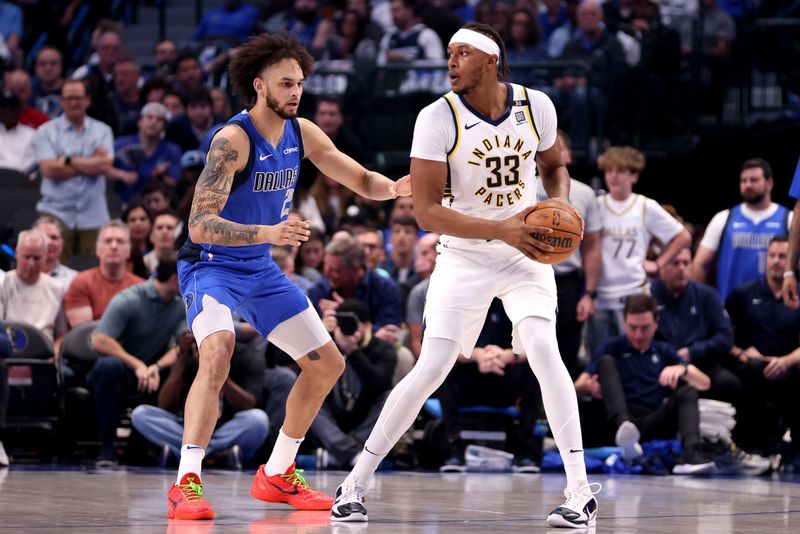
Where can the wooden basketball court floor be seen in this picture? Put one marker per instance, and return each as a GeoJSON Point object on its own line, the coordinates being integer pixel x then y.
{"type": "Point", "coordinates": [80, 500]}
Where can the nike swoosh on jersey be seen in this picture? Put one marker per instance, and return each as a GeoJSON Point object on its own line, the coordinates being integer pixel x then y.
{"type": "Point", "coordinates": [294, 491]}
{"type": "Point", "coordinates": [262, 157]}
{"type": "Point", "coordinates": [468, 126]}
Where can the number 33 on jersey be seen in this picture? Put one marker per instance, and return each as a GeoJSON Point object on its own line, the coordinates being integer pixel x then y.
{"type": "Point", "coordinates": [491, 163]}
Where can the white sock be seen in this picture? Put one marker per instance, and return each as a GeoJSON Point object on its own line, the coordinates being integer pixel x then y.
{"type": "Point", "coordinates": [558, 394]}
{"type": "Point", "coordinates": [282, 455]}
{"type": "Point", "coordinates": [403, 405]}
{"type": "Point", "coordinates": [191, 460]}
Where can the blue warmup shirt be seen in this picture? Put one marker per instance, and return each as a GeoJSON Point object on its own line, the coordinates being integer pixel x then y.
{"type": "Point", "coordinates": [695, 320]}
{"type": "Point", "coordinates": [743, 247]}
{"type": "Point", "coordinates": [762, 320]}
{"type": "Point", "coordinates": [638, 372]}
{"type": "Point", "coordinates": [262, 192]}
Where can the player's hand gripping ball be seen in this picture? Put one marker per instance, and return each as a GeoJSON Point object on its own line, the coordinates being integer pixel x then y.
{"type": "Point", "coordinates": [566, 224]}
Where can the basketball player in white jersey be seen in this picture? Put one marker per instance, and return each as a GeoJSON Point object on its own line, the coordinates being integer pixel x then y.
{"type": "Point", "coordinates": [473, 176]}
{"type": "Point", "coordinates": [630, 221]}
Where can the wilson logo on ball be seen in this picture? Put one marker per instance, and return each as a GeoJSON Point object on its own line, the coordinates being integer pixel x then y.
{"type": "Point", "coordinates": [556, 241]}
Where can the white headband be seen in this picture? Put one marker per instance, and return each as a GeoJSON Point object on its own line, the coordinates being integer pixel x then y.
{"type": "Point", "coordinates": [476, 40]}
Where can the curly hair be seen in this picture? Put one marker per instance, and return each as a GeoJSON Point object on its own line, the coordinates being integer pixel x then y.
{"type": "Point", "coordinates": [622, 156]}
{"type": "Point", "coordinates": [491, 33]}
{"type": "Point", "coordinates": [260, 52]}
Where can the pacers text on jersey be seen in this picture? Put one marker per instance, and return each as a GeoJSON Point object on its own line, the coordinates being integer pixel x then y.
{"type": "Point", "coordinates": [275, 181]}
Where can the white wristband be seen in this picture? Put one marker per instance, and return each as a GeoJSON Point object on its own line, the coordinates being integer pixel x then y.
{"type": "Point", "coordinates": [787, 274]}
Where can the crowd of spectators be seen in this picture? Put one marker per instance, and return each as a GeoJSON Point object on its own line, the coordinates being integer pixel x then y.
{"type": "Point", "coordinates": [118, 147]}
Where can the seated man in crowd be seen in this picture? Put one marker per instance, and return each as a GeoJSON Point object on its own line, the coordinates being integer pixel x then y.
{"type": "Point", "coordinates": [494, 376]}
{"type": "Point", "coordinates": [155, 198]}
{"type": "Point", "coordinates": [424, 262]}
{"type": "Point", "coordinates": [347, 277]}
{"type": "Point", "coordinates": [242, 426]}
{"type": "Point", "coordinates": [137, 340]}
{"type": "Point", "coordinates": [55, 244]}
{"type": "Point", "coordinates": [187, 131]}
{"type": "Point", "coordinates": [400, 261]}
{"type": "Point", "coordinates": [92, 290]}
{"type": "Point", "coordinates": [694, 321]}
{"type": "Point", "coordinates": [632, 373]}
{"type": "Point", "coordinates": [352, 408]}
{"type": "Point", "coordinates": [374, 254]}
{"type": "Point", "coordinates": [768, 352]}
{"type": "Point", "coordinates": [147, 153]}
{"type": "Point", "coordinates": [162, 235]}
{"type": "Point", "coordinates": [29, 297]}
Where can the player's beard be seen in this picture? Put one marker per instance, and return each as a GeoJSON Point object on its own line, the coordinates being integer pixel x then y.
{"type": "Point", "coordinates": [469, 87]}
{"type": "Point", "coordinates": [275, 106]}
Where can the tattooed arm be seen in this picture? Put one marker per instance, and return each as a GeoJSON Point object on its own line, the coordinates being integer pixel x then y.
{"type": "Point", "coordinates": [345, 170]}
{"type": "Point", "coordinates": [228, 155]}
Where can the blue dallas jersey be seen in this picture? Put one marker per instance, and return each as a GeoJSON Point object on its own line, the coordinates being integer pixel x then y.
{"type": "Point", "coordinates": [743, 247]}
{"type": "Point", "coordinates": [262, 192]}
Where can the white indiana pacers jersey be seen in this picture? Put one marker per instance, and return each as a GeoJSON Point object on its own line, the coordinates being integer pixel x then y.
{"type": "Point", "coordinates": [491, 163]}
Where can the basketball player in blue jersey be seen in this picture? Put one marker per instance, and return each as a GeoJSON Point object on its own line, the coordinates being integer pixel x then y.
{"type": "Point", "coordinates": [239, 211]}
{"type": "Point", "coordinates": [473, 176]}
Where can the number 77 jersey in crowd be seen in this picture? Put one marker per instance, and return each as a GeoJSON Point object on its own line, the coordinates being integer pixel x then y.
{"type": "Point", "coordinates": [262, 192]}
{"type": "Point", "coordinates": [491, 163]}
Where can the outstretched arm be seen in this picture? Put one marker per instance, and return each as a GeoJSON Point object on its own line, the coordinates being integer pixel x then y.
{"type": "Point", "coordinates": [228, 154]}
{"type": "Point", "coordinates": [345, 170]}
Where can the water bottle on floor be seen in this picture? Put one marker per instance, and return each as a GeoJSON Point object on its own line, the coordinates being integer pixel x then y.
{"type": "Point", "coordinates": [479, 458]}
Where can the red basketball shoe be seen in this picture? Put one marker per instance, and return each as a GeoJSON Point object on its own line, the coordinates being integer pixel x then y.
{"type": "Point", "coordinates": [290, 488]}
{"type": "Point", "coordinates": [185, 500]}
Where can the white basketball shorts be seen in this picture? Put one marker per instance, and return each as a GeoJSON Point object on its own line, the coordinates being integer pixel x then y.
{"type": "Point", "coordinates": [469, 274]}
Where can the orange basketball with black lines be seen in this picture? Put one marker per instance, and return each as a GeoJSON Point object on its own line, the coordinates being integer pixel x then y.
{"type": "Point", "coordinates": [567, 232]}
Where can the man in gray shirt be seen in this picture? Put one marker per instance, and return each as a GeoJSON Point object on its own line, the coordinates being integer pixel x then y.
{"type": "Point", "coordinates": [137, 338]}
{"type": "Point", "coordinates": [576, 277]}
{"type": "Point", "coordinates": [74, 152]}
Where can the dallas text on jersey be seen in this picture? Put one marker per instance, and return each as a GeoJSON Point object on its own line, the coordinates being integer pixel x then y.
{"type": "Point", "coordinates": [275, 181]}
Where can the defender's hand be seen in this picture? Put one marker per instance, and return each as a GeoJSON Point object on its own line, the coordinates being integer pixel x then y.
{"type": "Point", "coordinates": [289, 232]}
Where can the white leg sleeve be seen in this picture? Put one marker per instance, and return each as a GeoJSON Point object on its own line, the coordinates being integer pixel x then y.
{"type": "Point", "coordinates": [404, 403]}
{"type": "Point", "coordinates": [558, 394]}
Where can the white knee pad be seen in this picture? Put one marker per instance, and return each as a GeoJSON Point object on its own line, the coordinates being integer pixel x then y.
{"type": "Point", "coordinates": [215, 317]}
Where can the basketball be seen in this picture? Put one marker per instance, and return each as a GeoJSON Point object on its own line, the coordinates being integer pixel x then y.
{"type": "Point", "coordinates": [567, 232]}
